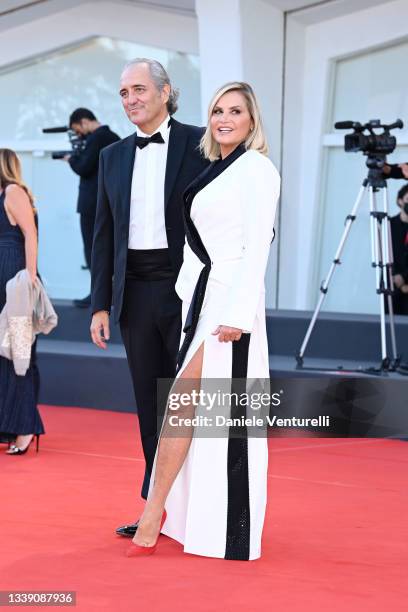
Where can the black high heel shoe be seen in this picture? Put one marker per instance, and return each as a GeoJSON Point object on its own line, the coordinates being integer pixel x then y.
{"type": "Point", "coordinates": [15, 450]}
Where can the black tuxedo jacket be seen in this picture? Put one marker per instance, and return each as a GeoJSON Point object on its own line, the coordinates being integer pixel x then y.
{"type": "Point", "coordinates": [111, 234]}
{"type": "Point", "coordinates": [85, 164]}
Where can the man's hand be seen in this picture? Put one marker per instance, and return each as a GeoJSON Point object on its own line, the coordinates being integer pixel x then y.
{"type": "Point", "coordinates": [398, 280]}
{"type": "Point", "coordinates": [66, 157]}
{"type": "Point", "coordinates": [227, 334]}
{"type": "Point", "coordinates": [404, 288]}
{"type": "Point", "coordinates": [100, 328]}
{"type": "Point", "coordinates": [387, 170]}
{"type": "Point", "coordinates": [404, 168]}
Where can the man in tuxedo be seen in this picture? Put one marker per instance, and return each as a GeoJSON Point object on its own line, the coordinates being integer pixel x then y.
{"type": "Point", "coordinates": [139, 239]}
{"type": "Point", "coordinates": [85, 163]}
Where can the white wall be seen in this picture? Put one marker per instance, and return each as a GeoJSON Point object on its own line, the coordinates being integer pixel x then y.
{"type": "Point", "coordinates": [243, 40]}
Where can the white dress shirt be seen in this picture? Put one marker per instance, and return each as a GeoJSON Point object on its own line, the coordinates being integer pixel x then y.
{"type": "Point", "coordinates": [147, 229]}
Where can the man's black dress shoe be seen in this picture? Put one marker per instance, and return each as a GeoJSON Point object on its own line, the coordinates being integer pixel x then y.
{"type": "Point", "coordinates": [127, 531]}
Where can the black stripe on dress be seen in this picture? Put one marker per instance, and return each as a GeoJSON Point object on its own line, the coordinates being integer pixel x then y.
{"type": "Point", "coordinates": [194, 240]}
{"type": "Point", "coordinates": [238, 512]}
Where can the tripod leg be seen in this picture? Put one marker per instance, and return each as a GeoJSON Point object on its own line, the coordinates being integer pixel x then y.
{"type": "Point", "coordinates": [379, 270]}
{"type": "Point", "coordinates": [389, 261]}
{"type": "Point", "coordinates": [325, 284]}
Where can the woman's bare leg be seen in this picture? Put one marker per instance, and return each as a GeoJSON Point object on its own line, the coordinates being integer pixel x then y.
{"type": "Point", "coordinates": [171, 454]}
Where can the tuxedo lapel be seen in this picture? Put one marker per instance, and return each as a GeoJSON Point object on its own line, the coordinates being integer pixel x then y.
{"type": "Point", "coordinates": [127, 161]}
{"type": "Point", "coordinates": [175, 153]}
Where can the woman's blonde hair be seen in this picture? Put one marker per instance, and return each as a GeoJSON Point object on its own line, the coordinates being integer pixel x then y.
{"type": "Point", "coordinates": [256, 138]}
{"type": "Point", "coordinates": [10, 172]}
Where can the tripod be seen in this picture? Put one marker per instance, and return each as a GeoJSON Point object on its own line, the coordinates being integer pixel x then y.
{"type": "Point", "coordinates": [381, 260]}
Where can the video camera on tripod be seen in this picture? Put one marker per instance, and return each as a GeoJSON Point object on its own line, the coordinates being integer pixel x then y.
{"type": "Point", "coordinates": [371, 143]}
{"type": "Point", "coordinates": [77, 142]}
{"type": "Point", "coordinates": [376, 147]}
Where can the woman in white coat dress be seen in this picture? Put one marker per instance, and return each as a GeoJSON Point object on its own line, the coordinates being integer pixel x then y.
{"type": "Point", "coordinates": [210, 493]}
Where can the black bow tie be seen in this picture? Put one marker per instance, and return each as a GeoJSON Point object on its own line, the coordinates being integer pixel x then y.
{"type": "Point", "coordinates": [142, 141]}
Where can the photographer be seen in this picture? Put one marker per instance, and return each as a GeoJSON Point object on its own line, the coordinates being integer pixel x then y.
{"type": "Point", "coordinates": [399, 236]}
{"type": "Point", "coordinates": [85, 164]}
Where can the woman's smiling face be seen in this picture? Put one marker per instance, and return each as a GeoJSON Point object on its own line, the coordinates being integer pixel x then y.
{"type": "Point", "coordinates": [230, 121]}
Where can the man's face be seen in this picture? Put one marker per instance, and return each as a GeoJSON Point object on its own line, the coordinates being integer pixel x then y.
{"type": "Point", "coordinates": [80, 128]}
{"type": "Point", "coordinates": [144, 104]}
{"type": "Point", "coordinates": [403, 203]}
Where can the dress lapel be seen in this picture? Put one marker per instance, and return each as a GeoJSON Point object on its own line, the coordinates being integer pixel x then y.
{"type": "Point", "coordinates": [210, 173]}
{"type": "Point", "coordinates": [175, 153]}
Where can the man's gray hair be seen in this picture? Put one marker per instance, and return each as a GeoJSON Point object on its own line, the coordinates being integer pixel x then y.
{"type": "Point", "coordinates": [160, 79]}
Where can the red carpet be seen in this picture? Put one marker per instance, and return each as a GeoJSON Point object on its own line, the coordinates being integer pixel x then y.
{"type": "Point", "coordinates": [335, 537]}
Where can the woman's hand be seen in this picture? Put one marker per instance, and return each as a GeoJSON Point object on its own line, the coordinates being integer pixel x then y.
{"type": "Point", "coordinates": [227, 334]}
{"type": "Point", "coordinates": [33, 276]}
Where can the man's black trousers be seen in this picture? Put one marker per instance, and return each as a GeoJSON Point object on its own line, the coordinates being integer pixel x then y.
{"type": "Point", "coordinates": [150, 324]}
{"type": "Point", "coordinates": [87, 221]}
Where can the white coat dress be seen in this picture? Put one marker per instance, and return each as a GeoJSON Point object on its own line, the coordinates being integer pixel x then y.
{"type": "Point", "coordinates": [216, 505]}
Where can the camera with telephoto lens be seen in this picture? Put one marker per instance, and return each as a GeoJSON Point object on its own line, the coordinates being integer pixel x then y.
{"type": "Point", "coordinates": [370, 143]}
{"type": "Point", "coordinates": [77, 142]}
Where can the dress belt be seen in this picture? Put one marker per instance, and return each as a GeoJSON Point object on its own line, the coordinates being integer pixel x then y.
{"type": "Point", "coordinates": [148, 264]}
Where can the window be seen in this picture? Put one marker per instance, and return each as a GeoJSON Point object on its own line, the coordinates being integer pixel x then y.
{"type": "Point", "coordinates": [367, 86]}
{"type": "Point", "coordinates": [43, 93]}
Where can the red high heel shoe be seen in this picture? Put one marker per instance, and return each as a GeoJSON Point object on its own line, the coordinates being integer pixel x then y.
{"type": "Point", "coordinates": [135, 550]}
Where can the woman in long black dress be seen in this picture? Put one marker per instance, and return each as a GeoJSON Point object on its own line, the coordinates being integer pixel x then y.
{"type": "Point", "coordinates": [20, 420]}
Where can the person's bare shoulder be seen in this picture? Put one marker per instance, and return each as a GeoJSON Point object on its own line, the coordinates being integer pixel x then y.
{"type": "Point", "coordinates": [16, 196]}
{"type": "Point", "coordinates": [14, 189]}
